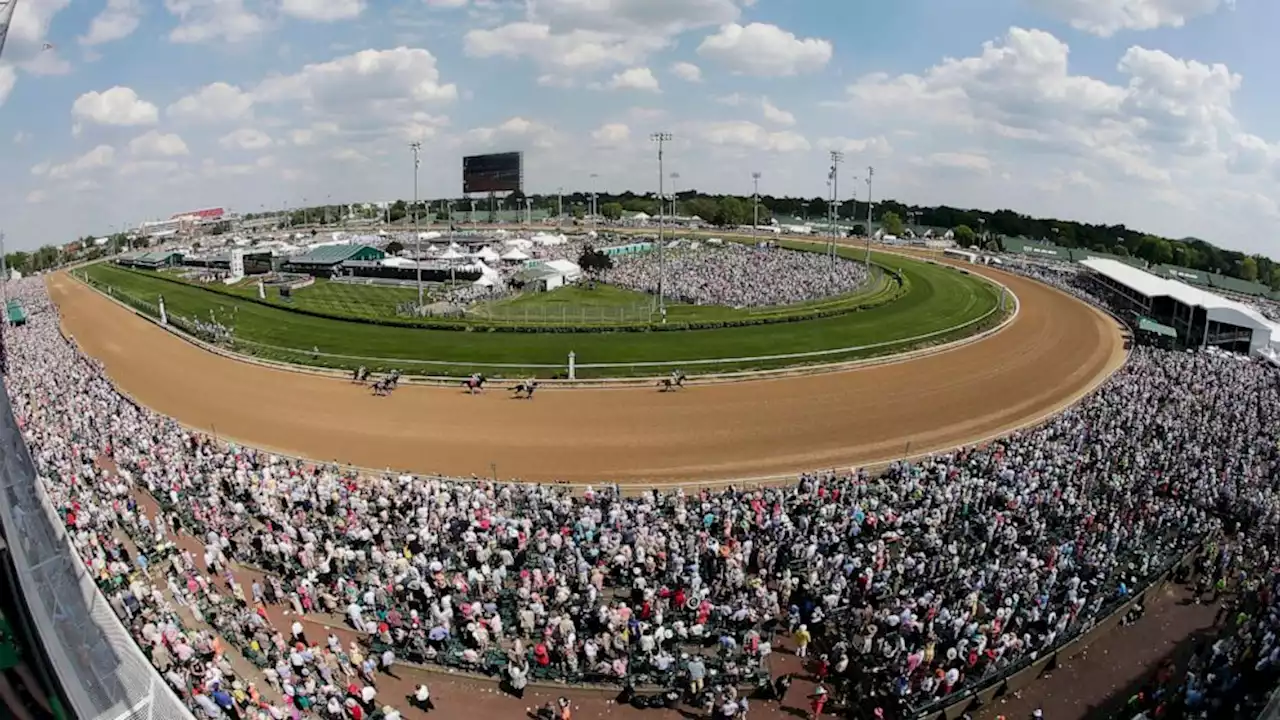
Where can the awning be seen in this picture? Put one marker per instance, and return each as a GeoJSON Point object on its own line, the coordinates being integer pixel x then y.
{"type": "Point", "coordinates": [1146, 324]}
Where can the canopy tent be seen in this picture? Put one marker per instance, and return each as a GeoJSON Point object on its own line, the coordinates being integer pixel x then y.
{"type": "Point", "coordinates": [488, 254]}
{"type": "Point", "coordinates": [451, 254]}
{"type": "Point", "coordinates": [515, 255]}
{"type": "Point", "coordinates": [398, 262]}
{"type": "Point", "coordinates": [548, 239]}
{"type": "Point", "coordinates": [484, 281]}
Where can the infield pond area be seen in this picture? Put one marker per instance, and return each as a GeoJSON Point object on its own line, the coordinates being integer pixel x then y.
{"type": "Point", "coordinates": [909, 304]}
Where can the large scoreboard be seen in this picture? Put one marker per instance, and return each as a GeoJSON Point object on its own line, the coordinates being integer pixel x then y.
{"type": "Point", "coordinates": [495, 173]}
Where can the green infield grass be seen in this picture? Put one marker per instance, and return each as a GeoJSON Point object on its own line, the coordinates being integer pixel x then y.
{"type": "Point", "coordinates": [934, 301]}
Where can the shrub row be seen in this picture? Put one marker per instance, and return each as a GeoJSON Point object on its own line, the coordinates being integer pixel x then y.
{"type": "Point", "coordinates": [901, 282]}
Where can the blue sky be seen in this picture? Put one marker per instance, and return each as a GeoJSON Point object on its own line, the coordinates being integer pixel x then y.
{"type": "Point", "coordinates": [1154, 113]}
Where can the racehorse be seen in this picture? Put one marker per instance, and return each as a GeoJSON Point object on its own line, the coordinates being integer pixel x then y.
{"type": "Point", "coordinates": [675, 382]}
{"type": "Point", "coordinates": [474, 384]}
{"type": "Point", "coordinates": [382, 387]}
{"type": "Point", "coordinates": [361, 374]}
{"type": "Point", "coordinates": [525, 388]}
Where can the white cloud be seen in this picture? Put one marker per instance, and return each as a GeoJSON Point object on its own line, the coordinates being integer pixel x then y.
{"type": "Point", "coordinates": [517, 133]}
{"type": "Point", "coordinates": [776, 115]}
{"type": "Point", "coordinates": [206, 21]}
{"type": "Point", "coordinates": [100, 157]}
{"type": "Point", "coordinates": [765, 50]}
{"type": "Point", "coordinates": [35, 197]}
{"type": "Point", "coordinates": [878, 146]}
{"type": "Point", "coordinates": [245, 139]}
{"type": "Point", "coordinates": [117, 21]}
{"type": "Point", "coordinates": [446, 4]}
{"type": "Point", "coordinates": [304, 137]}
{"type": "Point", "coordinates": [354, 81]}
{"type": "Point", "coordinates": [687, 72]}
{"type": "Point", "coordinates": [29, 29]}
{"type": "Point", "coordinates": [323, 10]}
{"type": "Point", "coordinates": [20, 138]}
{"type": "Point", "coordinates": [568, 52]}
{"type": "Point", "coordinates": [158, 145]}
{"type": "Point", "coordinates": [116, 106]}
{"type": "Point", "coordinates": [966, 162]}
{"type": "Point", "coordinates": [748, 135]}
{"type": "Point", "coordinates": [635, 79]}
{"type": "Point", "coordinates": [1107, 17]}
{"type": "Point", "coordinates": [216, 102]}
{"type": "Point", "coordinates": [568, 37]}
{"type": "Point", "coordinates": [611, 135]}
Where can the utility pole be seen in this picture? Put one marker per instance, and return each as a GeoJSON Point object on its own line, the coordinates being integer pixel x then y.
{"type": "Point", "coordinates": [416, 147]}
{"type": "Point", "coordinates": [755, 205]}
{"type": "Point", "coordinates": [661, 138]}
{"type": "Point", "coordinates": [836, 158]}
{"type": "Point", "coordinates": [870, 173]}
{"type": "Point", "coordinates": [674, 194]}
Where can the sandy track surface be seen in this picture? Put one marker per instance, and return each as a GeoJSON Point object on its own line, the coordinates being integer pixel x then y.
{"type": "Point", "coordinates": [1055, 350]}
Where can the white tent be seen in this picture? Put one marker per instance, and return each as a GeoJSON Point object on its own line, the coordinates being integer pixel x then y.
{"type": "Point", "coordinates": [515, 255]}
{"type": "Point", "coordinates": [488, 254]}
{"type": "Point", "coordinates": [397, 262]}
{"type": "Point", "coordinates": [430, 235]}
{"type": "Point", "coordinates": [484, 281]}
{"type": "Point", "coordinates": [451, 254]}
{"type": "Point", "coordinates": [640, 216]}
{"type": "Point", "coordinates": [432, 250]}
{"type": "Point", "coordinates": [566, 268]}
{"type": "Point", "coordinates": [520, 243]}
{"type": "Point", "coordinates": [548, 239]}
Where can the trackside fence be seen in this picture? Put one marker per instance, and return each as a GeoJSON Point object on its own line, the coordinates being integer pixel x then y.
{"type": "Point", "coordinates": [102, 671]}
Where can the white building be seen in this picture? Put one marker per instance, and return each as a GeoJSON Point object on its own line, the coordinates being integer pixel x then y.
{"type": "Point", "coordinates": [1200, 318]}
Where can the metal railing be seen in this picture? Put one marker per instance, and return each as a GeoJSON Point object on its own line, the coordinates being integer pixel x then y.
{"type": "Point", "coordinates": [103, 672]}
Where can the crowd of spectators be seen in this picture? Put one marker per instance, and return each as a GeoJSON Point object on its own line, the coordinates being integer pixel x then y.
{"type": "Point", "coordinates": [902, 589]}
{"type": "Point", "coordinates": [736, 275]}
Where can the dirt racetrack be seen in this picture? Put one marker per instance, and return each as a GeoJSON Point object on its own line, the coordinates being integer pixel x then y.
{"type": "Point", "coordinates": [1054, 351]}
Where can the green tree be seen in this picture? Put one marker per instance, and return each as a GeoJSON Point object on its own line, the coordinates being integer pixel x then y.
{"type": "Point", "coordinates": [891, 223]}
{"type": "Point", "coordinates": [858, 230]}
{"type": "Point", "coordinates": [1120, 250]}
{"type": "Point", "coordinates": [1275, 277]}
{"type": "Point", "coordinates": [1249, 269]}
{"type": "Point", "coordinates": [965, 235]}
{"type": "Point", "coordinates": [611, 211]}
{"type": "Point", "coordinates": [395, 247]}
{"type": "Point", "coordinates": [731, 211]}
{"type": "Point", "coordinates": [594, 262]}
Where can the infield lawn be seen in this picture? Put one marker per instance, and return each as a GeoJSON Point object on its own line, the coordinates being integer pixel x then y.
{"type": "Point", "coordinates": [937, 299]}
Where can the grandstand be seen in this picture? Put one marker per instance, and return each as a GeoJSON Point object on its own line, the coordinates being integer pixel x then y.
{"type": "Point", "coordinates": [1198, 317]}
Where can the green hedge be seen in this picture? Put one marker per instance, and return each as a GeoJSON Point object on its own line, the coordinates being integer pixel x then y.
{"type": "Point", "coordinates": [903, 286]}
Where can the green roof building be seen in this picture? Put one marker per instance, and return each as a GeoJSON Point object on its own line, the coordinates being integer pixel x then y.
{"type": "Point", "coordinates": [327, 258]}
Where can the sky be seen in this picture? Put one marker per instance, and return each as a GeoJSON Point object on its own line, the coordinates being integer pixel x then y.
{"type": "Point", "coordinates": [1158, 114]}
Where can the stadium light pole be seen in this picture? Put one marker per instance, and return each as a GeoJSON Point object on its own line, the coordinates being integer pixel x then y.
{"type": "Point", "coordinates": [661, 138]}
{"type": "Point", "coordinates": [595, 205]}
{"type": "Point", "coordinates": [416, 147]}
{"type": "Point", "coordinates": [870, 174]}
{"type": "Point", "coordinates": [836, 158]}
{"type": "Point", "coordinates": [674, 193]}
{"type": "Point", "coordinates": [755, 205]}
{"type": "Point", "coordinates": [6, 15]}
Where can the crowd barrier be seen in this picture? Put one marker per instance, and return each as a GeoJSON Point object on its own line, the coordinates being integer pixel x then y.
{"type": "Point", "coordinates": [102, 671]}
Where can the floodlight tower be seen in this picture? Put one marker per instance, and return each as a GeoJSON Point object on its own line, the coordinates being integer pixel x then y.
{"type": "Point", "coordinates": [661, 138]}
{"type": "Point", "coordinates": [674, 194]}
{"type": "Point", "coordinates": [755, 207]}
{"type": "Point", "coordinates": [837, 157]}
{"type": "Point", "coordinates": [416, 147]}
{"type": "Point", "coordinates": [870, 174]}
